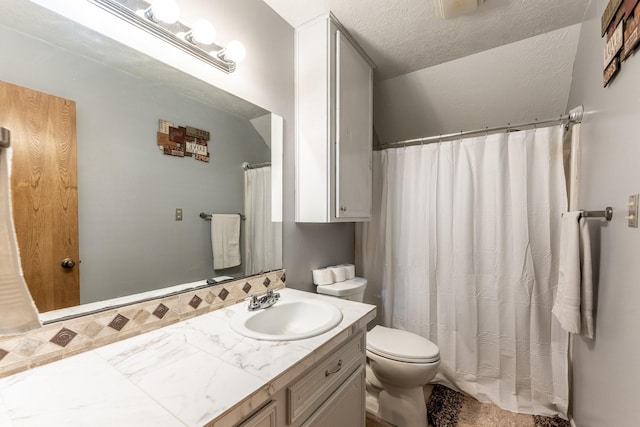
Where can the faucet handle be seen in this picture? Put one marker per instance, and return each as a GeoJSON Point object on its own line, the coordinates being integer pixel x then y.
{"type": "Point", "coordinates": [273, 294]}
{"type": "Point", "coordinates": [254, 304]}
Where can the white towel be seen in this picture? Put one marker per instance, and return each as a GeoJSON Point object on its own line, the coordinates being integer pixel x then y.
{"type": "Point", "coordinates": [19, 313]}
{"type": "Point", "coordinates": [573, 306]}
{"type": "Point", "coordinates": [225, 240]}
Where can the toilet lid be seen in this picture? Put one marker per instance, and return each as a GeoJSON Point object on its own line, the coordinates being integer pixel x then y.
{"type": "Point", "coordinates": [401, 345]}
{"type": "Point", "coordinates": [341, 289]}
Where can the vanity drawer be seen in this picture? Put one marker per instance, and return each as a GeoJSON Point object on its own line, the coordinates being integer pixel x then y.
{"type": "Point", "coordinates": [307, 393]}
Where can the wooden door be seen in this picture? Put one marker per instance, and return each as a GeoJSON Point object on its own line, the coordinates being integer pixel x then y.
{"type": "Point", "coordinates": [44, 191]}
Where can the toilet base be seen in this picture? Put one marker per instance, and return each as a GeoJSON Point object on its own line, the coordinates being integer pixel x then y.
{"type": "Point", "coordinates": [402, 407]}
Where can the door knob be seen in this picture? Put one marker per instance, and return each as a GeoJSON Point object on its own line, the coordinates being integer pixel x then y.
{"type": "Point", "coordinates": [68, 263]}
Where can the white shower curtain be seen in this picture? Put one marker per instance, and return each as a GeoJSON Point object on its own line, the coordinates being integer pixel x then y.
{"type": "Point", "coordinates": [263, 238]}
{"type": "Point", "coordinates": [464, 247]}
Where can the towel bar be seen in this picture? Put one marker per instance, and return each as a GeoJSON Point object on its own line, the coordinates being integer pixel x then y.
{"type": "Point", "coordinates": [607, 213]}
{"type": "Point", "coordinates": [207, 216]}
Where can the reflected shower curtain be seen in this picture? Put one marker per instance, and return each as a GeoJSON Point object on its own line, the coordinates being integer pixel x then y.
{"type": "Point", "coordinates": [464, 247]}
{"type": "Point", "coordinates": [263, 238]}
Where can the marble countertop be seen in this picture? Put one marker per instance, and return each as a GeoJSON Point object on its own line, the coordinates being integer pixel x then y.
{"type": "Point", "coordinates": [187, 374]}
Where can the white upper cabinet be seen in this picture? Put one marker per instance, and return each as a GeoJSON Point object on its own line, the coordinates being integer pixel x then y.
{"type": "Point", "coordinates": [334, 128]}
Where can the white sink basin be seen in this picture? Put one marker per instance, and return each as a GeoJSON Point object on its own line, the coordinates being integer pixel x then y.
{"type": "Point", "coordinates": [287, 320]}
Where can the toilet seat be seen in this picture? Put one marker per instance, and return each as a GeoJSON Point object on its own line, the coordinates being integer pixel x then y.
{"type": "Point", "coordinates": [401, 346]}
{"type": "Point", "coordinates": [343, 289]}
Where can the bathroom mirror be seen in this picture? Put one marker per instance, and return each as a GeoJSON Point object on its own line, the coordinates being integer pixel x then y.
{"type": "Point", "coordinates": [129, 191]}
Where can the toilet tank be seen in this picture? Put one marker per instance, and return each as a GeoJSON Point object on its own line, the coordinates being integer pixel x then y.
{"type": "Point", "coordinates": [358, 296]}
{"type": "Point", "coordinates": [352, 289]}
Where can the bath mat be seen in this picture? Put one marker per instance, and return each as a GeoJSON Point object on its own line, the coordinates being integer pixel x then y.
{"type": "Point", "coordinates": [449, 408]}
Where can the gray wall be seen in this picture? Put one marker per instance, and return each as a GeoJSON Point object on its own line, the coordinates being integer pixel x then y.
{"type": "Point", "coordinates": [605, 390]}
{"type": "Point", "coordinates": [128, 190]}
{"type": "Point", "coordinates": [514, 83]}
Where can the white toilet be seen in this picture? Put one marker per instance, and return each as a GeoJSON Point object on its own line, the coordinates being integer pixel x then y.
{"type": "Point", "coordinates": [399, 364]}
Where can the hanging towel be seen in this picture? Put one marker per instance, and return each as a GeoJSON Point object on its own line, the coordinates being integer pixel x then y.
{"type": "Point", "coordinates": [18, 312]}
{"type": "Point", "coordinates": [573, 306]}
{"type": "Point", "coordinates": [225, 240]}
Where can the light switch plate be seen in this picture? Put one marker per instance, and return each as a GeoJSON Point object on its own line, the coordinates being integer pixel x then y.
{"type": "Point", "coordinates": [633, 211]}
{"type": "Point", "coordinates": [178, 214]}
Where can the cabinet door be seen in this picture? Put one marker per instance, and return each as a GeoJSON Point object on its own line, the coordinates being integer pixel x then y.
{"type": "Point", "coordinates": [354, 132]}
{"type": "Point", "coordinates": [345, 408]}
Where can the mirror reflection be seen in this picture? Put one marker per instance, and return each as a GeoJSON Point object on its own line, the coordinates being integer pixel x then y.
{"type": "Point", "coordinates": [138, 221]}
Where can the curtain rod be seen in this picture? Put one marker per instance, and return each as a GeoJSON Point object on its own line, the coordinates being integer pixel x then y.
{"type": "Point", "coordinates": [247, 166]}
{"type": "Point", "coordinates": [574, 116]}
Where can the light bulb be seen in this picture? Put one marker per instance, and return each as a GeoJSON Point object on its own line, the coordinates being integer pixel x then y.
{"type": "Point", "coordinates": [202, 32]}
{"type": "Point", "coordinates": [235, 51]}
{"type": "Point", "coordinates": [164, 10]}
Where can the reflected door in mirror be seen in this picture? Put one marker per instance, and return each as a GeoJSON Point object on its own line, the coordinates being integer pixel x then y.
{"type": "Point", "coordinates": [44, 192]}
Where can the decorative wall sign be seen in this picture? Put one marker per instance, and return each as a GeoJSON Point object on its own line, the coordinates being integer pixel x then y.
{"type": "Point", "coordinates": [613, 46]}
{"type": "Point", "coordinates": [611, 71]}
{"type": "Point", "coordinates": [609, 13]}
{"type": "Point", "coordinates": [164, 126]}
{"type": "Point", "coordinates": [621, 24]}
{"type": "Point", "coordinates": [183, 141]}
{"type": "Point", "coordinates": [197, 133]}
{"type": "Point", "coordinates": [629, 6]}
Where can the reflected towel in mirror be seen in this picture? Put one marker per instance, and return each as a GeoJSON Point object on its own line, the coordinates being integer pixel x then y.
{"type": "Point", "coordinates": [19, 313]}
{"type": "Point", "coordinates": [225, 240]}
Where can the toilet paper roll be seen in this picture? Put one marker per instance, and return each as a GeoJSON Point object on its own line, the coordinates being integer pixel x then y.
{"type": "Point", "coordinates": [322, 276]}
{"type": "Point", "coordinates": [350, 271]}
{"type": "Point", "coordinates": [339, 273]}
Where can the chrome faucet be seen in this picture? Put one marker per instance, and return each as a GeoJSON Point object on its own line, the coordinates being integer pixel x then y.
{"type": "Point", "coordinates": [265, 301]}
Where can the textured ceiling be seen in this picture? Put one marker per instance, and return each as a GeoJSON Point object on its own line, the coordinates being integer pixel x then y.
{"type": "Point", "coordinates": [402, 36]}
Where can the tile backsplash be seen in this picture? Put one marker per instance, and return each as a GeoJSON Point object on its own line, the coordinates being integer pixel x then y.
{"type": "Point", "coordinates": [65, 338]}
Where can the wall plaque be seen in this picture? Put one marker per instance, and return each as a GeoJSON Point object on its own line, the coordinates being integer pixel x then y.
{"type": "Point", "coordinates": [183, 141]}
{"type": "Point", "coordinates": [621, 23]}
{"type": "Point", "coordinates": [609, 13]}
{"type": "Point", "coordinates": [177, 152]}
{"type": "Point", "coordinates": [628, 6]}
{"type": "Point", "coordinates": [631, 38]}
{"type": "Point", "coordinates": [164, 125]}
{"type": "Point", "coordinates": [195, 148]}
{"type": "Point", "coordinates": [177, 134]}
{"type": "Point", "coordinates": [613, 45]}
{"type": "Point", "coordinates": [611, 71]}
{"type": "Point", "coordinates": [197, 133]}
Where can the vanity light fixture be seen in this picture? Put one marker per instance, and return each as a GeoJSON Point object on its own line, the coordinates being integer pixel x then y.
{"type": "Point", "coordinates": [447, 9]}
{"type": "Point", "coordinates": [160, 18]}
{"type": "Point", "coordinates": [166, 11]}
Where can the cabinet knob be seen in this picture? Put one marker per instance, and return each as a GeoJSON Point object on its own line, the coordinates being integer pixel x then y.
{"type": "Point", "coordinates": [343, 208]}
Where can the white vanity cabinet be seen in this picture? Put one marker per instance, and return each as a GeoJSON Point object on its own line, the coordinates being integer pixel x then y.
{"type": "Point", "coordinates": [330, 393]}
{"type": "Point", "coordinates": [334, 389]}
{"type": "Point", "coordinates": [334, 127]}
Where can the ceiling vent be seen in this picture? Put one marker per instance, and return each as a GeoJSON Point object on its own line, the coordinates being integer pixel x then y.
{"type": "Point", "coordinates": [447, 9]}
